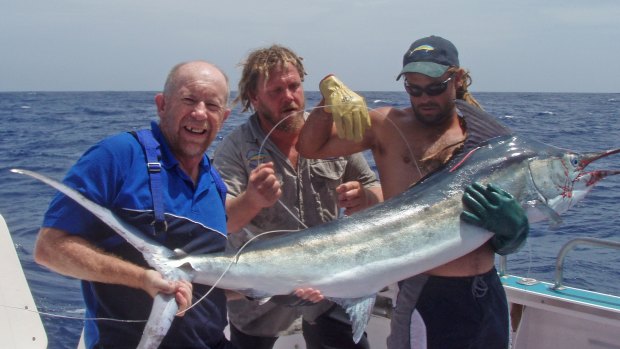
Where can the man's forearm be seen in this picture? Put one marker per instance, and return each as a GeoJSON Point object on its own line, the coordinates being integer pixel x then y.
{"type": "Point", "coordinates": [374, 195]}
{"type": "Point", "coordinates": [76, 257]}
{"type": "Point", "coordinates": [315, 134]}
{"type": "Point", "coordinates": [240, 212]}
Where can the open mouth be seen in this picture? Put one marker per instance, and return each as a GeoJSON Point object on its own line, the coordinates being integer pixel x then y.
{"type": "Point", "coordinates": [196, 131]}
{"type": "Point", "coordinates": [289, 111]}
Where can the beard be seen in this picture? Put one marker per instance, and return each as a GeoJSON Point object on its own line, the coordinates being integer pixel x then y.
{"type": "Point", "coordinates": [289, 122]}
{"type": "Point", "coordinates": [444, 113]}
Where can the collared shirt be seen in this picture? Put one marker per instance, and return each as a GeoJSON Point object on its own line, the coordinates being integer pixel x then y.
{"type": "Point", "coordinates": [309, 194]}
{"type": "Point", "coordinates": [113, 174]}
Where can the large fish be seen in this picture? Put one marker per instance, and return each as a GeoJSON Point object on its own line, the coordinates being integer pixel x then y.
{"type": "Point", "coordinates": [351, 259]}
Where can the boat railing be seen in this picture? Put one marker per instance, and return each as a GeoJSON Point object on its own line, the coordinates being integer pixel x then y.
{"type": "Point", "coordinates": [559, 263]}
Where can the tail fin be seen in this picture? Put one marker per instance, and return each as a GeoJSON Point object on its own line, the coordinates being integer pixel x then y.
{"type": "Point", "coordinates": [154, 253]}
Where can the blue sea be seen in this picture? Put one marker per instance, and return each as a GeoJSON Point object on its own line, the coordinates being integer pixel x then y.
{"type": "Point", "coordinates": [47, 131]}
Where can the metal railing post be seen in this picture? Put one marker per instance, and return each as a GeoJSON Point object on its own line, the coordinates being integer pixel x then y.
{"type": "Point", "coordinates": [559, 263]}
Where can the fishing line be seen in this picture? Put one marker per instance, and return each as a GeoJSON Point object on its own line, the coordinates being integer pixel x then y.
{"type": "Point", "coordinates": [402, 136]}
{"type": "Point", "coordinates": [65, 316]}
{"type": "Point", "coordinates": [234, 260]}
{"type": "Point", "coordinates": [236, 256]}
{"type": "Point", "coordinates": [398, 130]}
{"type": "Point", "coordinates": [529, 254]}
{"type": "Point", "coordinates": [260, 152]}
{"type": "Point", "coordinates": [262, 146]}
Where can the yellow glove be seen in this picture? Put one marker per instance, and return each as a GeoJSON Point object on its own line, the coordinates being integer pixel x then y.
{"type": "Point", "coordinates": [347, 108]}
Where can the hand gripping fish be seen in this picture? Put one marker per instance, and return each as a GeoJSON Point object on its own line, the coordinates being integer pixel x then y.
{"type": "Point", "coordinates": [352, 258]}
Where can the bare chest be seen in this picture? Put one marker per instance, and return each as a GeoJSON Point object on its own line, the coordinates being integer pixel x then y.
{"type": "Point", "coordinates": [402, 161]}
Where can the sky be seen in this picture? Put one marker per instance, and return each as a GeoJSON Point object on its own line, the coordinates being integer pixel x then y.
{"type": "Point", "coordinates": [130, 45]}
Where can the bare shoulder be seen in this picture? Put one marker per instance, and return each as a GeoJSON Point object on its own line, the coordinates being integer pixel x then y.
{"type": "Point", "coordinates": [391, 129]}
{"type": "Point", "coordinates": [382, 114]}
{"type": "Point", "coordinates": [389, 117]}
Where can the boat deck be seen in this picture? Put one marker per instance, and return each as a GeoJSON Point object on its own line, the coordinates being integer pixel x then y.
{"type": "Point", "coordinates": [562, 318]}
{"type": "Point", "coordinates": [531, 292]}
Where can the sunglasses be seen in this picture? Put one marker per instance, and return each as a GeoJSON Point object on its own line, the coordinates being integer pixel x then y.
{"type": "Point", "coordinates": [430, 90]}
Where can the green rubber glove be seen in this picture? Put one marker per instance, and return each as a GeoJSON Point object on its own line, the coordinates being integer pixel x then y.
{"type": "Point", "coordinates": [499, 212]}
{"type": "Point", "coordinates": [347, 108]}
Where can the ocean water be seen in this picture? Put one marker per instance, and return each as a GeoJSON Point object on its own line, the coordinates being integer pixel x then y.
{"type": "Point", "coordinates": [48, 131]}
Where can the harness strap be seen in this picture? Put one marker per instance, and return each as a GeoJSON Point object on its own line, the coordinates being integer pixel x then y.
{"type": "Point", "coordinates": [153, 156]}
{"type": "Point", "coordinates": [219, 183]}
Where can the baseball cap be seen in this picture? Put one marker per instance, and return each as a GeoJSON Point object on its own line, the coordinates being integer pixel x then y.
{"type": "Point", "coordinates": [430, 56]}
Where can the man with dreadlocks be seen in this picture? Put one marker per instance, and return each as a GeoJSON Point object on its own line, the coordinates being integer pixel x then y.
{"type": "Point", "coordinates": [261, 166]}
{"type": "Point", "coordinates": [462, 303]}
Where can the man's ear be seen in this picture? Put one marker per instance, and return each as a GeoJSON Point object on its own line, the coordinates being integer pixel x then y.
{"type": "Point", "coordinates": [253, 99]}
{"type": "Point", "coordinates": [226, 114]}
{"type": "Point", "coordinates": [160, 101]}
{"type": "Point", "coordinates": [458, 78]}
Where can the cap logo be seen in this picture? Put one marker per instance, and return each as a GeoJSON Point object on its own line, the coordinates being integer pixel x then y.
{"type": "Point", "coordinates": [422, 48]}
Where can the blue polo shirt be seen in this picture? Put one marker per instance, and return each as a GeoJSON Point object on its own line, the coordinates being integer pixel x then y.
{"type": "Point", "coordinates": [113, 173]}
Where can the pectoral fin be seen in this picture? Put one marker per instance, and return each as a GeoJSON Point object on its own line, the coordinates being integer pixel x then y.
{"type": "Point", "coordinates": [554, 218]}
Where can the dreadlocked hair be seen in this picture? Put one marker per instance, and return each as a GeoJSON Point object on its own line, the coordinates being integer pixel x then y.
{"type": "Point", "coordinates": [259, 64]}
{"type": "Point", "coordinates": [462, 92]}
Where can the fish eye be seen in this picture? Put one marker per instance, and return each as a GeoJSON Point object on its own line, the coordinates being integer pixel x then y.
{"type": "Point", "coordinates": [574, 160]}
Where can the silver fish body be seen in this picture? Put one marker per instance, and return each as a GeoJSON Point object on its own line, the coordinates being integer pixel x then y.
{"type": "Point", "coordinates": [413, 232]}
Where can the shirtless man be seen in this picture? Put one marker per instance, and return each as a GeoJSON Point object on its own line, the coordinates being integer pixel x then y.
{"type": "Point", "coordinates": [461, 303]}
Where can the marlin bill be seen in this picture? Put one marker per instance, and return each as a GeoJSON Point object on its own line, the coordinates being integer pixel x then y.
{"type": "Point", "coordinates": [351, 259]}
